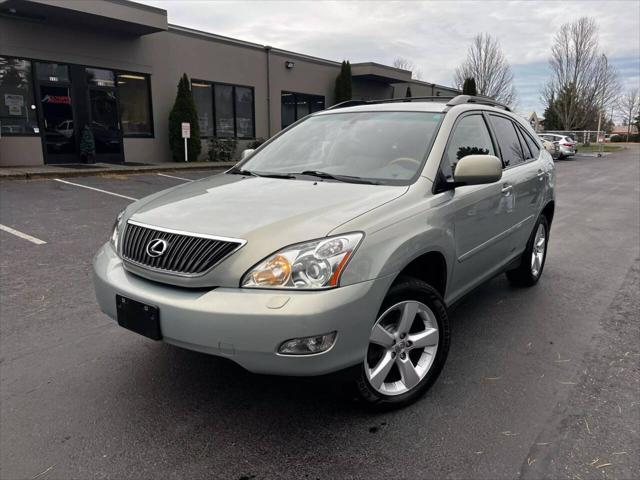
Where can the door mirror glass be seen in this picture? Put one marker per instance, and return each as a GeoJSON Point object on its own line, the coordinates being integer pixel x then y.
{"type": "Point", "coordinates": [478, 170]}
{"type": "Point", "coordinates": [246, 153]}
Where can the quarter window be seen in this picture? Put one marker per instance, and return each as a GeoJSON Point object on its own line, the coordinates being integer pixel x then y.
{"type": "Point", "coordinates": [17, 106]}
{"type": "Point", "coordinates": [508, 141]}
{"type": "Point", "coordinates": [224, 111]}
{"type": "Point", "coordinates": [135, 105]}
{"type": "Point", "coordinates": [470, 137]}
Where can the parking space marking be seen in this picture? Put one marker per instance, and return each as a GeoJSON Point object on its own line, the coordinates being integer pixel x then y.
{"type": "Point", "coordinates": [96, 189]}
{"type": "Point", "coordinates": [173, 176]}
{"type": "Point", "coordinates": [17, 233]}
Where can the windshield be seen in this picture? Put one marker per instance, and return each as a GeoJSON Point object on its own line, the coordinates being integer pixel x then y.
{"type": "Point", "coordinates": [384, 147]}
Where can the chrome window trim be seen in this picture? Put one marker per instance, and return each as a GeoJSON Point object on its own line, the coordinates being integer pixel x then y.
{"type": "Point", "coordinates": [241, 243]}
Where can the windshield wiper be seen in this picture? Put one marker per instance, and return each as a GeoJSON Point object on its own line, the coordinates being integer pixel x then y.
{"type": "Point", "coordinates": [340, 178]}
{"type": "Point", "coordinates": [261, 174]}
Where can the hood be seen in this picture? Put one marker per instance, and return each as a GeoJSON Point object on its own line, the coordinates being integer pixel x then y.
{"type": "Point", "coordinates": [269, 213]}
{"type": "Point", "coordinates": [243, 207]}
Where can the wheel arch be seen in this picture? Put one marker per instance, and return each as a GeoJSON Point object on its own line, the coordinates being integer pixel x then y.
{"type": "Point", "coordinates": [431, 268]}
{"type": "Point", "coordinates": [549, 210]}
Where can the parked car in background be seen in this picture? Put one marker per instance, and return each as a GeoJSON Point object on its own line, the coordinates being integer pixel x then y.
{"type": "Point", "coordinates": [566, 144]}
{"type": "Point", "coordinates": [552, 147]}
{"type": "Point", "coordinates": [339, 243]}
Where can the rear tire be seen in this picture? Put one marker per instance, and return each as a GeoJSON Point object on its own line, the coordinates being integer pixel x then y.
{"type": "Point", "coordinates": [408, 346]}
{"type": "Point", "coordinates": [533, 258]}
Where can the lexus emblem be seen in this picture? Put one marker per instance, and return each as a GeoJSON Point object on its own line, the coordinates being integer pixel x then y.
{"type": "Point", "coordinates": [157, 247]}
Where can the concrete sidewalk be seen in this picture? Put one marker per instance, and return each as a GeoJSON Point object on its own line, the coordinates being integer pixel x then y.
{"type": "Point", "coordinates": [77, 170]}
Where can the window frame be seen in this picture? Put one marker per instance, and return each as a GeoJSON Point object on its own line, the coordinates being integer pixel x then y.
{"type": "Point", "coordinates": [149, 102]}
{"type": "Point", "coordinates": [233, 101]}
{"type": "Point", "coordinates": [33, 93]}
{"type": "Point", "coordinates": [295, 103]}
{"type": "Point", "coordinates": [515, 127]}
{"type": "Point", "coordinates": [440, 179]}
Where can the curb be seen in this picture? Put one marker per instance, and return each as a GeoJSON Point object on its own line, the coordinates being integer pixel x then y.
{"type": "Point", "coordinates": [18, 175]}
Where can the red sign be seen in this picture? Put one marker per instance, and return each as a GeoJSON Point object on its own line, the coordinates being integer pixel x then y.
{"type": "Point", "coordinates": [59, 99]}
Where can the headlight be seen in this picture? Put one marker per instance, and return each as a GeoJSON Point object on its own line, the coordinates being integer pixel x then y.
{"type": "Point", "coordinates": [115, 235]}
{"type": "Point", "coordinates": [308, 265]}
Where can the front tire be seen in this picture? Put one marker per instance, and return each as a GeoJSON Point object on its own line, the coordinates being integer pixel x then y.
{"type": "Point", "coordinates": [408, 346]}
{"type": "Point", "coordinates": [533, 258]}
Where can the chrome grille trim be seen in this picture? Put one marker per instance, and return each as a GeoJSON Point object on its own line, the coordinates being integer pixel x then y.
{"type": "Point", "coordinates": [188, 254]}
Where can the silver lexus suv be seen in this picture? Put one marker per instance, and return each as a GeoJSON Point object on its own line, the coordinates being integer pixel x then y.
{"type": "Point", "coordinates": [339, 243]}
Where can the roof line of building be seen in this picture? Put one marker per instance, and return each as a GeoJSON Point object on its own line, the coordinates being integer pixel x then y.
{"type": "Point", "coordinates": [139, 6]}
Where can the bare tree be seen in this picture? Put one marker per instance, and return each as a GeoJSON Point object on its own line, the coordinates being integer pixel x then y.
{"type": "Point", "coordinates": [628, 105]}
{"type": "Point", "coordinates": [405, 64]}
{"type": "Point", "coordinates": [488, 66]}
{"type": "Point", "coordinates": [582, 83]}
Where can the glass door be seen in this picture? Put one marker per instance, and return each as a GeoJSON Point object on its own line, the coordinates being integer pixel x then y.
{"type": "Point", "coordinates": [58, 125]}
{"type": "Point", "coordinates": [104, 119]}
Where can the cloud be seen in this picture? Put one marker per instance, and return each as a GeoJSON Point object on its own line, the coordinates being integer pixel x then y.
{"type": "Point", "coordinates": [434, 35]}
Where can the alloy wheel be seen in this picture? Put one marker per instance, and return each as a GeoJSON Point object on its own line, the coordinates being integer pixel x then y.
{"type": "Point", "coordinates": [402, 348]}
{"type": "Point", "coordinates": [538, 251]}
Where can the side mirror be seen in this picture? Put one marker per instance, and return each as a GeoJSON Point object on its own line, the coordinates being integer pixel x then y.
{"type": "Point", "coordinates": [478, 170]}
{"type": "Point", "coordinates": [246, 153]}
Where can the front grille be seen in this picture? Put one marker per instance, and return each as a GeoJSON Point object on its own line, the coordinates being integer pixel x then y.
{"type": "Point", "coordinates": [184, 254]}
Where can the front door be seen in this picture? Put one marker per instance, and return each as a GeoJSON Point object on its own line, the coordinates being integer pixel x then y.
{"type": "Point", "coordinates": [478, 213]}
{"type": "Point", "coordinates": [72, 99]}
{"type": "Point", "coordinates": [101, 113]}
{"type": "Point", "coordinates": [59, 127]}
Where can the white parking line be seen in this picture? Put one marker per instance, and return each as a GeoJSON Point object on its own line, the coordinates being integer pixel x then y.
{"type": "Point", "coordinates": [17, 233]}
{"type": "Point", "coordinates": [96, 189]}
{"type": "Point", "coordinates": [173, 176]}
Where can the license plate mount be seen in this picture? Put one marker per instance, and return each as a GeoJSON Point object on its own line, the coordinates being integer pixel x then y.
{"type": "Point", "coordinates": [138, 317]}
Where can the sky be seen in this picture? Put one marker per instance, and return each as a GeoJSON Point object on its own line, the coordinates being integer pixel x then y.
{"type": "Point", "coordinates": [434, 35]}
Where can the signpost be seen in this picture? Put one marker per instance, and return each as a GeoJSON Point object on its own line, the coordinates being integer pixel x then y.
{"type": "Point", "coordinates": [186, 133]}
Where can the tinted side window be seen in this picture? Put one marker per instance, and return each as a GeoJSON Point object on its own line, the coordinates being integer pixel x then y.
{"type": "Point", "coordinates": [533, 146]}
{"type": "Point", "coordinates": [508, 140]}
{"type": "Point", "coordinates": [470, 137]}
{"type": "Point", "coordinates": [523, 144]}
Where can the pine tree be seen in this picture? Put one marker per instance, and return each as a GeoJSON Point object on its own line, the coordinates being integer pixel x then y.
{"type": "Point", "coordinates": [408, 94]}
{"type": "Point", "coordinates": [551, 118]}
{"type": "Point", "coordinates": [469, 87]}
{"type": "Point", "coordinates": [87, 145]}
{"type": "Point", "coordinates": [184, 110]}
{"type": "Point", "coordinates": [343, 83]}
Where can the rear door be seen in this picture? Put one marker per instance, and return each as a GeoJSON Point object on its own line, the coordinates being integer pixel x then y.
{"type": "Point", "coordinates": [522, 179]}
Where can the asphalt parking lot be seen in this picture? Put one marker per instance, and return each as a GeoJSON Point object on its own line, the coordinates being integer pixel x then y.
{"type": "Point", "coordinates": [540, 383]}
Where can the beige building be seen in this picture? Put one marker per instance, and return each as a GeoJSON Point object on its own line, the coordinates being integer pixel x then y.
{"type": "Point", "coordinates": [114, 65]}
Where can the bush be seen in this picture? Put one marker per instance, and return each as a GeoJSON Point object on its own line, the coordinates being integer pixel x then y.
{"type": "Point", "coordinates": [184, 110]}
{"type": "Point", "coordinates": [255, 143]}
{"type": "Point", "coordinates": [222, 149]}
{"type": "Point", "coordinates": [621, 138]}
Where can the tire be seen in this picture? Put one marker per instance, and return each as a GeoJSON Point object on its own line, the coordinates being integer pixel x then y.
{"type": "Point", "coordinates": [405, 294]}
{"type": "Point", "coordinates": [529, 272]}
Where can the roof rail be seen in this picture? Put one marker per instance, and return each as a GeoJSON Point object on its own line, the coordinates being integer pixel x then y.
{"type": "Point", "coordinates": [353, 103]}
{"type": "Point", "coordinates": [348, 103]}
{"type": "Point", "coordinates": [463, 99]}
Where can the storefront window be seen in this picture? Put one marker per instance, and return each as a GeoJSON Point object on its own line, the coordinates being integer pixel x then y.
{"type": "Point", "coordinates": [224, 111]}
{"type": "Point", "coordinates": [135, 104]}
{"type": "Point", "coordinates": [52, 72]}
{"type": "Point", "coordinates": [294, 106]}
{"type": "Point", "coordinates": [100, 77]}
{"type": "Point", "coordinates": [17, 106]}
{"type": "Point", "coordinates": [244, 112]}
{"type": "Point", "coordinates": [202, 97]}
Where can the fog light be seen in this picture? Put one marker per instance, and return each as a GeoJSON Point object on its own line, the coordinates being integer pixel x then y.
{"type": "Point", "coordinates": [308, 345]}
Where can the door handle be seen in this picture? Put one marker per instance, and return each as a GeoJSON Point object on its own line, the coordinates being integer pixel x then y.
{"type": "Point", "coordinates": [506, 189]}
{"type": "Point", "coordinates": [541, 174]}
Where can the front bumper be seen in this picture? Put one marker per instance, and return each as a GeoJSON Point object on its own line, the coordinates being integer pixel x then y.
{"type": "Point", "coordinates": [248, 325]}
